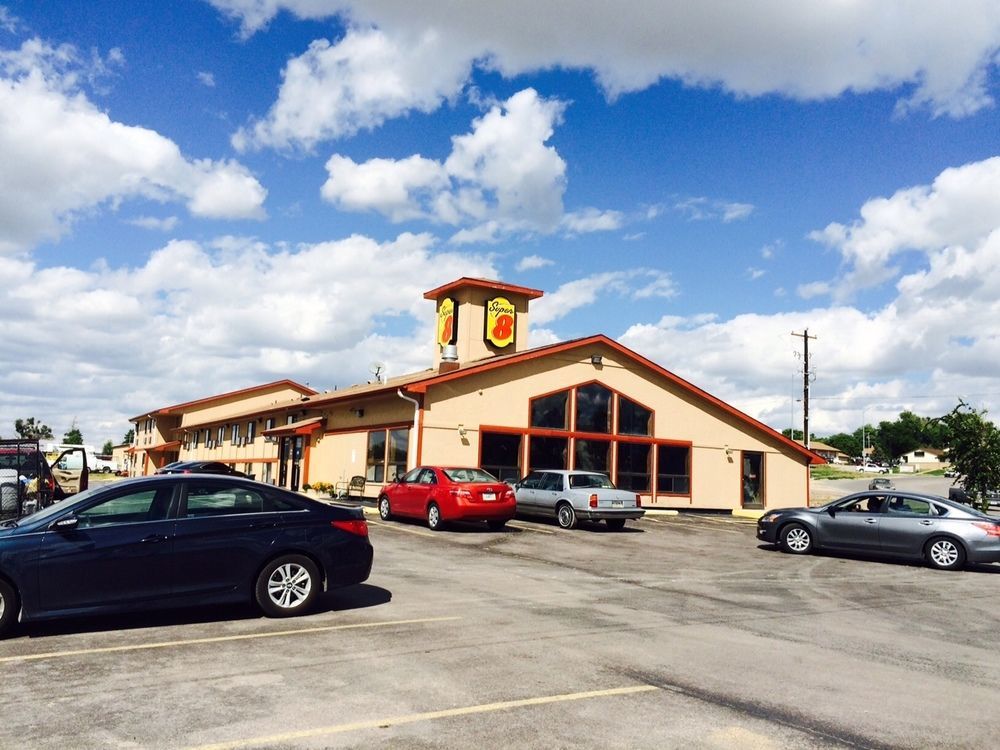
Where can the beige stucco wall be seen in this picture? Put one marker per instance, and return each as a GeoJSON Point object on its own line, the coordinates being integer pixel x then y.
{"type": "Point", "coordinates": [471, 302]}
{"type": "Point", "coordinates": [219, 410]}
{"type": "Point", "coordinates": [501, 398]}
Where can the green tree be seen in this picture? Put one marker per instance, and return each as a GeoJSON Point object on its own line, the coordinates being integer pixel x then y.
{"type": "Point", "coordinates": [847, 444]}
{"type": "Point", "coordinates": [893, 439]}
{"type": "Point", "coordinates": [73, 435]}
{"type": "Point", "coordinates": [974, 452]}
{"type": "Point", "coordinates": [107, 448]}
{"type": "Point", "coordinates": [31, 430]}
{"type": "Point", "coordinates": [129, 437]}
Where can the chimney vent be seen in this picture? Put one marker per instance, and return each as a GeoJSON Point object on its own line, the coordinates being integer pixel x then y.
{"type": "Point", "coordinates": [449, 353]}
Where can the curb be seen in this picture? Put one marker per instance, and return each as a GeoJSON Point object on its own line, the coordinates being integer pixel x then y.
{"type": "Point", "coordinates": [741, 513]}
{"type": "Point", "coordinates": [660, 511]}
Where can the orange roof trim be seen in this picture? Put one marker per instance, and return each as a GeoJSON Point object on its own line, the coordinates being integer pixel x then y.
{"type": "Point", "coordinates": [218, 397]}
{"type": "Point", "coordinates": [545, 351]}
{"type": "Point", "coordinates": [302, 427]}
{"type": "Point", "coordinates": [497, 286]}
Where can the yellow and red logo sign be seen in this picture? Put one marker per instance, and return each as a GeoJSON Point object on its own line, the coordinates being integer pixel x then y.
{"type": "Point", "coordinates": [447, 322]}
{"type": "Point", "coordinates": [500, 319]}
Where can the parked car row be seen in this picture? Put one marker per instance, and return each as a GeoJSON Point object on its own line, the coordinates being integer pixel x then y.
{"type": "Point", "coordinates": [442, 494]}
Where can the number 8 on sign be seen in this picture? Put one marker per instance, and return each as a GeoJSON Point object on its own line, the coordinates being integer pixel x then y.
{"type": "Point", "coordinates": [500, 322]}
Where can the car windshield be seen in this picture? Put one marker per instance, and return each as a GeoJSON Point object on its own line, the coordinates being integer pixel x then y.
{"type": "Point", "coordinates": [57, 508]}
{"type": "Point", "coordinates": [589, 481]}
{"type": "Point", "coordinates": [476, 476]}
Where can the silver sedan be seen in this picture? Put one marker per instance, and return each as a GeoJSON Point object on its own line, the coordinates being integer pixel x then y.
{"type": "Point", "coordinates": [898, 524]}
{"type": "Point", "coordinates": [569, 496]}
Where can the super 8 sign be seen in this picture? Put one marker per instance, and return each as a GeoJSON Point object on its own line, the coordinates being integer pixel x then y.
{"type": "Point", "coordinates": [447, 320]}
{"type": "Point", "coordinates": [500, 319]}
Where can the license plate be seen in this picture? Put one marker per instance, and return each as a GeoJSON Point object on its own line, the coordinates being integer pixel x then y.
{"type": "Point", "coordinates": [617, 503]}
{"type": "Point", "coordinates": [489, 496]}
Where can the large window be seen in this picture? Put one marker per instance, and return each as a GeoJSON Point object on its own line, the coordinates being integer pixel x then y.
{"type": "Point", "coordinates": [550, 411]}
{"type": "Point", "coordinates": [547, 452]}
{"type": "Point", "coordinates": [399, 445]}
{"type": "Point", "coordinates": [673, 469]}
{"type": "Point", "coordinates": [593, 408]}
{"type": "Point", "coordinates": [633, 419]}
{"type": "Point", "coordinates": [501, 455]}
{"type": "Point", "coordinates": [375, 469]}
{"type": "Point", "coordinates": [633, 466]}
{"type": "Point", "coordinates": [387, 453]}
{"type": "Point", "coordinates": [592, 455]}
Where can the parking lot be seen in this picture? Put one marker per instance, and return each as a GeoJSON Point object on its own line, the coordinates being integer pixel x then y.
{"type": "Point", "coordinates": [680, 631]}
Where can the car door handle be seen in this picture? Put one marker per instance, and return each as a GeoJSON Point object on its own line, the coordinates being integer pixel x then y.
{"type": "Point", "coordinates": [871, 520]}
{"type": "Point", "coordinates": [926, 523]}
{"type": "Point", "coordinates": [154, 538]}
{"type": "Point", "coordinates": [264, 525]}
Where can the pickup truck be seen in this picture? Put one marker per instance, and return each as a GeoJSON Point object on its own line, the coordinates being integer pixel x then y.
{"type": "Point", "coordinates": [959, 495]}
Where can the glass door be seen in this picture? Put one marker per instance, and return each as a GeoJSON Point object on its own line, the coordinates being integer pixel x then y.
{"type": "Point", "coordinates": [752, 480]}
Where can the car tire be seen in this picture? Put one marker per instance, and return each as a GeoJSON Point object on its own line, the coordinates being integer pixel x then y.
{"type": "Point", "coordinates": [384, 509]}
{"type": "Point", "coordinates": [565, 516]}
{"type": "Point", "coordinates": [10, 605]}
{"type": "Point", "coordinates": [496, 525]}
{"type": "Point", "coordinates": [434, 522]}
{"type": "Point", "coordinates": [945, 553]}
{"type": "Point", "coordinates": [615, 524]}
{"type": "Point", "coordinates": [797, 539]}
{"type": "Point", "coordinates": [287, 586]}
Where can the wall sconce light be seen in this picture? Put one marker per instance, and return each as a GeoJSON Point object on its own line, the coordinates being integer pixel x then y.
{"type": "Point", "coordinates": [358, 413]}
{"type": "Point", "coordinates": [462, 431]}
{"type": "Point", "coordinates": [596, 360]}
{"type": "Point", "coordinates": [729, 451]}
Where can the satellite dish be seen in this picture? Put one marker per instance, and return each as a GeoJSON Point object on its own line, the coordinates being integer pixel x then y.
{"type": "Point", "coordinates": [376, 369]}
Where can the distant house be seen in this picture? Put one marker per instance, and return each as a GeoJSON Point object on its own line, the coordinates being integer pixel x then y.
{"type": "Point", "coordinates": [828, 452]}
{"type": "Point", "coordinates": [923, 459]}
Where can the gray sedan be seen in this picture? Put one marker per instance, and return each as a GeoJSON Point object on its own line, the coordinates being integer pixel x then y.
{"type": "Point", "coordinates": [569, 496]}
{"type": "Point", "coordinates": [898, 524]}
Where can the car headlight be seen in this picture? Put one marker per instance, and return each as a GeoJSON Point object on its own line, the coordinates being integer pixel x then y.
{"type": "Point", "coordinates": [769, 519]}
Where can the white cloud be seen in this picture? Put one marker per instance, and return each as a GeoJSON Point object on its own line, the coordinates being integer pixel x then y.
{"type": "Point", "coordinates": [64, 157]}
{"type": "Point", "coordinates": [499, 178]}
{"type": "Point", "coordinates": [197, 319]}
{"type": "Point", "coordinates": [592, 220]}
{"type": "Point", "coordinates": [639, 283]}
{"type": "Point", "coordinates": [960, 208]}
{"type": "Point", "coordinates": [8, 21]}
{"type": "Point", "coordinates": [934, 55]}
{"type": "Point", "coordinates": [707, 209]}
{"type": "Point", "coordinates": [206, 79]}
{"type": "Point", "coordinates": [755, 273]}
{"type": "Point", "coordinates": [335, 90]}
{"type": "Point", "coordinates": [166, 224]}
{"type": "Point", "coordinates": [532, 262]}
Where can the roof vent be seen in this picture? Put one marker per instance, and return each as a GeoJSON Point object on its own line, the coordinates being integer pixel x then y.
{"type": "Point", "coordinates": [449, 353]}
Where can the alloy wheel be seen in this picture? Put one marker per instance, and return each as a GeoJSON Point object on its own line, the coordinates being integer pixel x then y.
{"type": "Point", "coordinates": [289, 585]}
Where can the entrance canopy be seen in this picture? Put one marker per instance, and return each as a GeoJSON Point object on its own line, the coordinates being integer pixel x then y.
{"type": "Point", "coordinates": [302, 427]}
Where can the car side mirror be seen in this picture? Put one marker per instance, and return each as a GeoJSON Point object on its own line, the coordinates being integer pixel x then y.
{"type": "Point", "coordinates": [67, 523]}
{"type": "Point", "coordinates": [832, 511]}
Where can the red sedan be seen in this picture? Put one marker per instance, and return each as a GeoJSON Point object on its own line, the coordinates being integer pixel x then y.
{"type": "Point", "coordinates": [448, 494]}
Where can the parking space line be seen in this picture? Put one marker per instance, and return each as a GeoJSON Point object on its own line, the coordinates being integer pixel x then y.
{"type": "Point", "coordinates": [397, 527]}
{"type": "Point", "coordinates": [530, 528]}
{"type": "Point", "coordinates": [275, 739]}
{"type": "Point", "coordinates": [219, 639]}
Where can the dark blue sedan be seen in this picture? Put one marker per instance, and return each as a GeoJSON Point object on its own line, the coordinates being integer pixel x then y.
{"type": "Point", "coordinates": [180, 539]}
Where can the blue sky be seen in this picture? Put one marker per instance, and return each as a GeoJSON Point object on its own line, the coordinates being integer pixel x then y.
{"type": "Point", "coordinates": [197, 196]}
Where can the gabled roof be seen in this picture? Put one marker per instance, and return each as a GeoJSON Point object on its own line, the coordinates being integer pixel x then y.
{"type": "Point", "coordinates": [497, 286]}
{"type": "Point", "coordinates": [188, 405]}
{"type": "Point", "coordinates": [480, 366]}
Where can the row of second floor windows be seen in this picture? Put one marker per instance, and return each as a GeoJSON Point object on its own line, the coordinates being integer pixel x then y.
{"type": "Point", "coordinates": [236, 433]}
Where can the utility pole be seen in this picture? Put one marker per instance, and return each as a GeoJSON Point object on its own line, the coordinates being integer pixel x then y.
{"type": "Point", "coordinates": [805, 384]}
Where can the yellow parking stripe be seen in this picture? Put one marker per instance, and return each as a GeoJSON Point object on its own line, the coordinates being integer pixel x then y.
{"type": "Point", "coordinates": [275, 739]}
{"type": "Point", "coordinates": [219, 639]}
{"type": "Point", "coordinates": [407, 529]}
{"type": "Point", "coordinates": [537, 529]}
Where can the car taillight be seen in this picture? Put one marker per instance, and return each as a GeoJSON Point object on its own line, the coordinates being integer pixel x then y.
{"type": "Point", "coordinates": [991, 529]}
{"type": "Point", "coordinates": [358, 526]}
{"type": "Point", "coordinates": [508, 494]}
{"type": "Point", "coordinates": [638, 501]}
{"type": "Point", "coordinates": [462, 494]}
{"type": "Point", "coordinates": [593, 501]}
